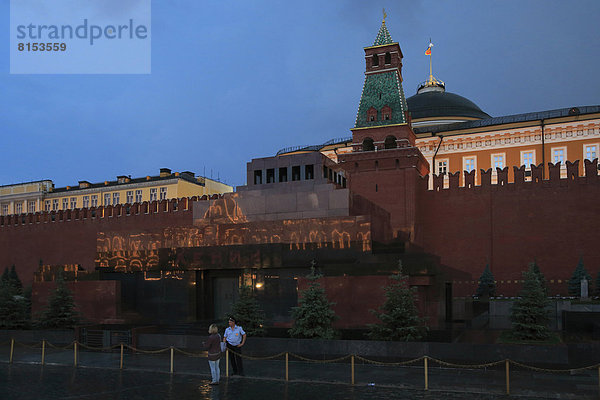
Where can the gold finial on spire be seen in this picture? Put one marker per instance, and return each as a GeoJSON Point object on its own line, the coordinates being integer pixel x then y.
{"type": "Point", "coordinates": [384, 15]}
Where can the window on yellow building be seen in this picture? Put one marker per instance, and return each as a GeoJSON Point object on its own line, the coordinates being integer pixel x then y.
{"type": "Point", "coordinates": [73, 203]}
{"type": "Point", "coordinates": [18, 208]}
{"type": "Point", "coordinates": [106, 199]}
{"type": "Point", "coordinates": [559, 155]}
{"type": "Point", "coordinates": [442, 167]}
{"type": "Point", "coordinates": [138, 196]}
{"type": "Point", "coordinates": [527, 158]}
{"type": "Point", "coordinates": [163, 193]}
{"type": "Point", "coordinates": [469, 164]}
{"type": "Point", "coordinates": [86, 201]}
{"type": "Point", "coordinates": [4, 209]}
{"type": "Point", "coordinates": [115, 199]}
{"type": "Point", "coordinates": [130, 197]}
{"type": "Point", "coordinates": [153, 194]}
{"type": "Point", "coordinates": [31, 206]}
{"type": "Point", "coordinates": [94, 200]}
{"type": "Point", "coordinates": [47, 205]}
{"type": "Point", "coordinates": [55, 205]}
{"type": "Point", "coordinates": [497, 161]}
{"type": "Point", "coordinates": [65, 203]}
{"type": "Point", "coordinates": [590, 151]}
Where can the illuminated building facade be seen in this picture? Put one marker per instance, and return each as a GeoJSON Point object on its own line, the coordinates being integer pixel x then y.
{"type": "Point", "coordinates": [40, 196]}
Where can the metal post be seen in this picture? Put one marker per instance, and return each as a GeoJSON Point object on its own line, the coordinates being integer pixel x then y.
{"type": "Point", "coordinates": [43, 350]}
{"type": "Point", "coordinates": [121, 363]}
{"type": "Point", "coordinates": [426, 374]}
{"type": "Point", "coordinates": [227, 362]}
{"type": "Point", "coordinates": [171, 359]}
{"type": "Point", "coordinates": [287, 375]}
{"type": "Point", "coordinates": [75, 354]}
{"type": "Point", "coordinates": [12, 349]}
{"type": "Point", "coordinates": [352, 363]}
{"type": "Point", "coordinates": [507, 362]}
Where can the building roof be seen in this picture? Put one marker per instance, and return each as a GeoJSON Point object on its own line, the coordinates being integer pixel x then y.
{"type": "Point", "coordinates": [316, 147]}
{"type": "Point", "coordinates": [439, 103]}
{"type": "Point", "coordinates": [383, 36]}
{"type": "Point", "coordinates": [508, 119]}
{"type": "Point", "coordinates": [183, 176]}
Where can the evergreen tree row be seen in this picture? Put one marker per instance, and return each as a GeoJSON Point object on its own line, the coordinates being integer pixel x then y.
{"type": "Point", "coordinates": [487, 282]}
{"type": "Point", "coordinates": [314, 317]}
{"type": "Point", "coordinates": [15, 305]}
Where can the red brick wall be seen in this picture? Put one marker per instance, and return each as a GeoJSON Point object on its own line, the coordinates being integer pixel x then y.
{"type": "Point", "coordinates": [355, 296]}
{"type": "Point", "coordinates": [555, 222]}
{"type": "Point", "coordinates": [389, 179]}
{"type": "Point", "coordinates": [98, 301]}
{"type": "Point", "coordinates": [72, 241]}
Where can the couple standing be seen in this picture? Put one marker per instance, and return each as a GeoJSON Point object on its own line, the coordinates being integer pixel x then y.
{"type": "Point", "coordinates": [235, 338]}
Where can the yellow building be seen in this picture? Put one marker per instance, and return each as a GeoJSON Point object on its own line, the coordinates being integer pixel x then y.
{"type": "Point", "coordinates": [42, 196]}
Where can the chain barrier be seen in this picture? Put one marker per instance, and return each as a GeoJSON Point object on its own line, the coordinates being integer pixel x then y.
{"type": "Point", "coordinates": [201, 354]}
{"type": "Point", "coordinates": [148, 351]}
{"type": "Point", "coordinates": [98, 348]}
{"type": "Point", "coordinates": [61, 347]}
{"type": "Point", "coordinates": [467, 366]}
{"type": "Point", "coordinates": [395, 364]}
{"type": "Point", "coordinates": [257, 358]}
{"type": "Point", "coordinates": [299, 357]}
{"type": "Point", "coordinates": [539, 369]}
{"type": "Point", "coordinates": [35, 346]}
{"type": "Point", "coordinates": [333, 360]}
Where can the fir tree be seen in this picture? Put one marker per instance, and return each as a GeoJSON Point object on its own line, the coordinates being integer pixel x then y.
{"type": "Point", "coordinates": [313, 318]}
{"type": "Point", "coordinates": [575, 281]}
{"type": "Point", "coordinates": [60, 311]}
{"type": "Point", "coordinates": [14, 306]}
{"type": "Point", "coordinates": [487, 283]}
{"type": "Point", "coordinates": [14, 280]}
{"type": "Point", "coordinates": [4, 278]}
{"type": "Point", "coordinates": [529, 314]}
{"type": "Point", "coordinates": [399, 316]}
{"type": "Point", "coordinates": [540, 275]}
{"type": "Point", "coordinates": [248, 314]}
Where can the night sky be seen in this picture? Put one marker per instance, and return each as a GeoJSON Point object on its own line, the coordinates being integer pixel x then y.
{"type": "Point", "coordinates": [233, 80]}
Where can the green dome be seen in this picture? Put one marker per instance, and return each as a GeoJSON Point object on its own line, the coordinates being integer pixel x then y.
{"type": "Point", "coordinates": [439, 103]}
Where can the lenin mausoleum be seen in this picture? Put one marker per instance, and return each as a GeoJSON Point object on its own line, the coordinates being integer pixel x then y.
{"type": "Point", "coordinates": [430, 181]}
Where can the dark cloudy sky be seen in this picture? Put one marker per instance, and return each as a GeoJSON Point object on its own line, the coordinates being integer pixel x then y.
{"type": "Point", "coordinates": [234, 80]}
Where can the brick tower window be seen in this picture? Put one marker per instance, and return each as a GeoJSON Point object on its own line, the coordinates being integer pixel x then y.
{"type": "Point", "coordinates": [388, 58]}
{"type": "Point", "coordinates": [371, 114]}
{"type": "Point", "coordinates": [390, 142]}
{"type": "Point", "coordinates": [368, 145]}
{"type": "Point", "coordinates": [375, 60]}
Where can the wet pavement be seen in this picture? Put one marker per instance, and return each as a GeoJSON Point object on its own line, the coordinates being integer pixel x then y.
{"type": "Point", "coordinates": [146, 376]}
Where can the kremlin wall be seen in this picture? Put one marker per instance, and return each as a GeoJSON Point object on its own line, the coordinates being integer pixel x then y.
{"type": "Point", "coordinates": [354, 210]}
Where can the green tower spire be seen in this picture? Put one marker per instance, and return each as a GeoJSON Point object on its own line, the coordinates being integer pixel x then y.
{"type": "Point", "coordinates": [382, 101]}
{"type": "Point", "coordinates": [383, 36]}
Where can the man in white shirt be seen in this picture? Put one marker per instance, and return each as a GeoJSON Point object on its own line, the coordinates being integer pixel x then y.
{"type": "Point", "coordinates": [235, 337]}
